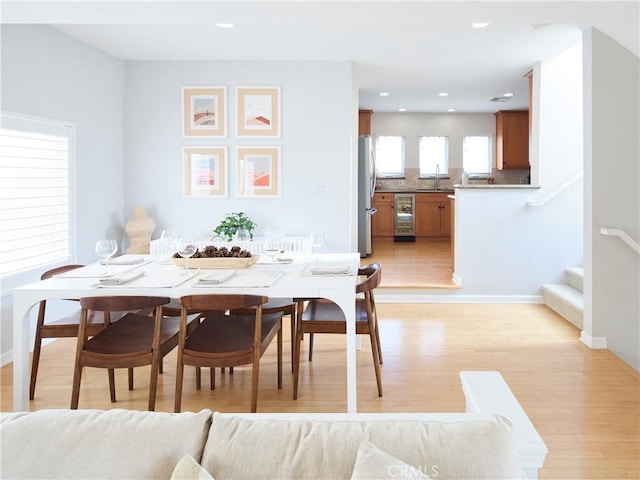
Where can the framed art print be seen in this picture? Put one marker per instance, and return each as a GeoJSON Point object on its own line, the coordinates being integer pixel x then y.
{"type": "Point", "coordinates": [258, 171]}
{"type": "Point", "coordinates": [258, 112]}
{"type": "Point", "coordinates": [204, 112]}
{"type": "Point", "coordinates": [205, 172]}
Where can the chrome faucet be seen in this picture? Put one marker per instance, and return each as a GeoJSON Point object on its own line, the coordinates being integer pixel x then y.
{"type": "Point", "coordinates": [437, 187]}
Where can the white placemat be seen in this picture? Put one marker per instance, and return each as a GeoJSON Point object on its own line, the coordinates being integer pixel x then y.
{"type": "Point", "coordinates": [156, 279]}
{"type": "Point", "coordinates": [246, 279]}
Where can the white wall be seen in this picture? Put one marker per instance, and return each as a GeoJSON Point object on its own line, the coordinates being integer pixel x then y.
{"type": "Point", "coordinates": [612, 156]}
{"type": "Point", "coordinates": [316, 146]}
{"type": "Point", "coordinates": [48, 74]}
{"type": "Point", "coordinates": [414, 125]}
{"type": "Point", "coordinates": [503, 245]}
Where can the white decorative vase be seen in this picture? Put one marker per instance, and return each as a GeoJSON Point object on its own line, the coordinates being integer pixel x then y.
{"type": "Point", "coordinates": [139, 228]}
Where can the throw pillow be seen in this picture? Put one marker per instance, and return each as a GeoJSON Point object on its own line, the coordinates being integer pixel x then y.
{"type": "Point", "coordinates": [373, 463]}
{"type": "Point", "coordinates": [188, 469]}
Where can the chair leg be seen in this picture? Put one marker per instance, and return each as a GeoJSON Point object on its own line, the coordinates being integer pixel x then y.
{"type": "Point", "coordinates": [255, 379]}
{"type": "Point", "coordinates": [293, 336]}
{"type": "Point", "coordinates": [179, 374]}
{"type": "Point", "coordinates": [112, 385]}
{"type": "Point", "coordinates": [376, 361]}
{"type": "Point", "coordinates": [296, 369]}
{"type": "Point", "coordinates": [212, 375]}
{"type": "Point", "coordinates": [379, 344]}
{"type": "Point", "coordinates": [198, 379]}
{"type": "Point", "coordinates": [310, 346]}
{"type": "Point", "coordinates": [75, 391]}
{"type": "Point", "coordinates": [153, 383]}
{"type": "Point", "coordinates": [280, 356]}
{"type": "Point", "coordinates": [130, 376]}
{"type": "Point", "coordinates": [34, 364]}
{"type": "Point", "coordinates": [161, 366]}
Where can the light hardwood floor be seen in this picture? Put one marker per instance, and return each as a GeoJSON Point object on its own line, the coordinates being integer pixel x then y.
{"type": "Point", "coordinates": [425, 263]}
{"type": "Point", "coordinates": [585, 403]}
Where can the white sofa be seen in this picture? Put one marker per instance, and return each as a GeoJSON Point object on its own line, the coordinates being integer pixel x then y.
{"type": "Point", "coordinates": [487, 441]}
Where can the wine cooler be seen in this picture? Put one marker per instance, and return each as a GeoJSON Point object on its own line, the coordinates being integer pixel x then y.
{"type": "Point", "coordinates": [405, 224]}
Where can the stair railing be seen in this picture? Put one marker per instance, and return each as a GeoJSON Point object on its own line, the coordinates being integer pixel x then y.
{"type": "Point", "coordinates": [624, 236]}
{"type": "Point", "coordinates": [556, 191]}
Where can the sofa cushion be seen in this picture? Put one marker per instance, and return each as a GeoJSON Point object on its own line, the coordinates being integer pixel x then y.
{"type": "Point", "coordinates": [189, 469]}
{"type": "Point", "coordinates": [99, 444]}
{"type": "Point", "coordinates": [374, 464]}
{"type": "Point", "coordinates": [246, 448]}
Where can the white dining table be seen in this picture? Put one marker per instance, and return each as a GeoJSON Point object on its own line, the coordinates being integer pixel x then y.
{"type": "Point", "coordinates": [299, 278]}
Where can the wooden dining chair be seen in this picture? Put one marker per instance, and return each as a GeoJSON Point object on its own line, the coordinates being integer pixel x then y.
{"type": "Point", "coordinates": [223, 339]}
{"type": "Point", "coordinates": [134, 340]}
{"type": "Point", "coordinates": [286, 306]}
{"type": "Point", "coordinates": [324, 316]}
{"type": "Point", "coordinates": [58, 327]}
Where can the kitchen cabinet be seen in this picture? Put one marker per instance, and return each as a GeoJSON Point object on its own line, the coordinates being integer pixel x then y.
{"type": "Point", "coordinates": [382, 223]}
{"type": "Point", "coordinates": [512, 139]}
{"type": "Point", "coordinates": [433, 215]}
{"type": "Point", "coordinates": [364, 122]}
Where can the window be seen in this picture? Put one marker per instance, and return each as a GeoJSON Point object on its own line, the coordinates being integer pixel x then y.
{"type": "Point", "coordinates": [35, 211]}
{"type": "Point", "coordinates": [476, 154]}
{"type": "Point", "coordinates": [434, 152]}
{"type": "Point", "coordinates": [389, 156]}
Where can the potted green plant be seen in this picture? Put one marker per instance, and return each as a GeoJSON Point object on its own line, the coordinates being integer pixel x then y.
{"type": "Point", "coordinates": [232, 222]}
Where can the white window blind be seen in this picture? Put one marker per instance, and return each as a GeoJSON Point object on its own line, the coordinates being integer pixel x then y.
{"type": "Point", "coordinates": [35, 206]}
{"type": "Point", "coordinates": [389, 156]}
{"type": "Point", "coordinates": [434, 156]}
{"type": "Point", "coordinates": [476, 154]}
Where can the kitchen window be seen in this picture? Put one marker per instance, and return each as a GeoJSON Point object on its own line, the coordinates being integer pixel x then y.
{"type": "Point", "coordinates": [389, 156]}
{"type": "Point", "coordinates": [476, 154]}
{"type": "Point", "coordinates": [35, 206]}
{"type": "Point", "coordinates": [434, 156]}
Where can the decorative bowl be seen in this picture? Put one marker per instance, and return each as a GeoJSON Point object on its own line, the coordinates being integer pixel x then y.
{"type": "Point", "coordinates": [217, 262]}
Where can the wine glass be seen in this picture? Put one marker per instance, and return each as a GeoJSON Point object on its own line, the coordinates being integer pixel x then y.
{"type": "Point", "coordinates": [242, 238]}
{"type": "Point", "coordinates": [317, 239]}
{"type": "Point", "coordinates": [272, 243]}
{"type": "Point", "coordinates": [186, 249]}
{"type": "Point", "coordinates": [106, 249]}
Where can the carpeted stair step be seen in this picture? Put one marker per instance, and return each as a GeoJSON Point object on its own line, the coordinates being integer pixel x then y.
{"type": "Point", "coordinates": [575, 278]}
{"type": "Point", "coordinates": [566, 301]}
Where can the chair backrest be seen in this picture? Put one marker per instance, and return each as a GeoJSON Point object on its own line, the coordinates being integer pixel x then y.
{"type": "Point", "coordinates": [58, 271]}
{"type": "Point", "coordinates": [218, 302]}
{"type": "Point", "coordinates": [373, 272]}
{"type": "Point", "coordinates": [119, 303]}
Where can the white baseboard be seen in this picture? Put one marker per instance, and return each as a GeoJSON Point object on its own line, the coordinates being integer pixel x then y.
{"type": "Point", "coordinates": [6, 358]}
{"type": "Point", "coordinates": [408, 297]}
{"type": "Point", "coordinates": [596, 343]}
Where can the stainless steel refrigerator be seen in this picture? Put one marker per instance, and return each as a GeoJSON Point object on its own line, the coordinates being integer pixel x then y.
{"type": "Point", "coordinates": [366, 189]}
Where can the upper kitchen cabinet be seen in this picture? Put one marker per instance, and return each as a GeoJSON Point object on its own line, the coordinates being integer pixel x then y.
{"type": "Point", "coordinates": [512, 139]}
{"type": "Point", "coordinates": [364, 122]}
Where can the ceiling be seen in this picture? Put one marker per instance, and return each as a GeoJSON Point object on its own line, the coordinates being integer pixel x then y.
{"type": "Point", "coordinates": [413, 50]}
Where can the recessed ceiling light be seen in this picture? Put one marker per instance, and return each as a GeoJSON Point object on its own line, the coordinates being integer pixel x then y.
{"type": "Point", "coordinates": [540, 26]}
{"type": "Point", "coordinates": [402, 109]}
{"type": "Point", "coordinates": [224, 25]}
{"type": "Point", "coordinates": [451, 109]}
{"type": "Point", "coordinates": [384, 94]}
{"type": "Point", "coordinates": [443, 94]}
{"type": "Point", "coordinates": [508, 94]}
{"type": "Point", "coordinates": [480, 24]}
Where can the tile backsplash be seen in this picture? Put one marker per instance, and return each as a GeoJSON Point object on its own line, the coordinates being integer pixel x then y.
{"type": "Point", "coordinates": [412, 180]}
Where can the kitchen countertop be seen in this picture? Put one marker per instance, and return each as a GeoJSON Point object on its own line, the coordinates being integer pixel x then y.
{"type": "Point", "coordinates": [475, 186]}
{"type": "Point", "coordinates": [498, 186]}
